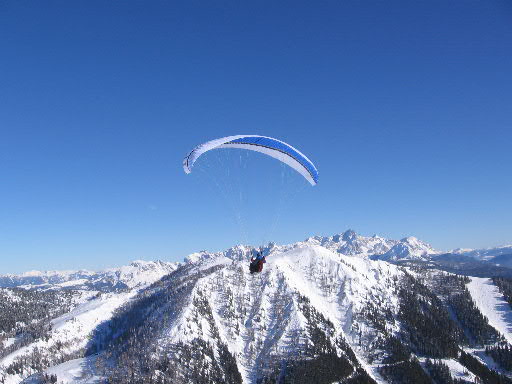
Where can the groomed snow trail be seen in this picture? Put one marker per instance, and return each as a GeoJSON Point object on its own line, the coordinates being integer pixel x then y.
{"type": "Point", "coordinates": [78, 371]}
{"type": "Point", "coordinates": [491, 303]}
{"type": "Point", "coordinates": [458, 371]}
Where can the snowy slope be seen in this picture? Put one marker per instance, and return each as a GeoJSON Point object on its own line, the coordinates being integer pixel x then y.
{"type": "Point", "coordinates": [137, 274]}
{"type": "Point", "coordinates": [329, 293]}
{"type": "Point", "coordinates": [492, 305]}
{"type": "Point", "coordinates": [256, 327]}
{"type": "Point", "coordinates": [269, 317]}
{"type": "Point", "coordinates": [457, 370]}
{"type": "Point", "coordinates": [76, 371]}
{"type": "Point", "coordinates": [70, 333]}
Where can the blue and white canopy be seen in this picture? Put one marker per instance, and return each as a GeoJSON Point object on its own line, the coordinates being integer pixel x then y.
{"type": "Point", "coordinates": [266, 145]}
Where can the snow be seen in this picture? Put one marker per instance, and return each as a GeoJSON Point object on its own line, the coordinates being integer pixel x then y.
{"type": "Point", "coordinates": [50, 273]}
{"type": "Point", "coordinates": [338, 275]}
{"type": "Point", "coordinates": [137, 274]}
{"type": "Point", "coordinates": [350, 243]}
{"type": "Point", "coordinates": [60, 332]}
{"type": "Point", "coordinates": [79, 371]}
{"type": "Point", "coordinates": [491, 303]}
{"type": "Point", "coordinates": [458, 371]}
{"type": "Point", "coordinates": [85, 317]}
{"type": "Point", "coordinates": [486, 254]}
{"type": "Point", "coordinates": [461, 250]}
{"type": "Point", "coordinates": [142, 273]}
{"type": "Point", "coordinates": [10, 341]}
{"type": "Point", "coordinates": [267, 322]}
{"type": "Point", "coordinates": [10, 294]}
{"type": "Point", "coordinates": [409, 248]}
{"type": "Point", "coordinates": [363, 277]}
{"type": "Point", "coordinates": [289, 262]}
{"type": "Point", "coordinates": [74, 328]}
{"type": "Point", "coordinates": [32, 273]}
{"type": "Point", "coordinates": [72, 283]}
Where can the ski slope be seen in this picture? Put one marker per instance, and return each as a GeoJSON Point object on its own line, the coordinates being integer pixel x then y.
{"type": "Point", "coordinates": [491, 303]}
{"type": "Point", "coordinates": [458, 371]}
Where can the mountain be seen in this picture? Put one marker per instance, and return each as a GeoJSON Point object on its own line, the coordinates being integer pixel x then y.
{"type": "Point", "coordinates": [55, 313]}
{"type": "Point", "coordinates": [462, 265]}
{"type": "Point", "coordinates": [500, 256]}
{"type": "Point", "coordinates": [137, 274]}
{"type": "Point", "coordinates": [350, 243]}
{"type": "Point", "coordinates": [314, 315]}
{"type": "Point", "coordinates": [409, 248]}
{"type": "Point", "coordinates": [486, 254]}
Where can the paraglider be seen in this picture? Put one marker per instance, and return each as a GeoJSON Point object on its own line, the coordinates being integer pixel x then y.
{"type": "Point", "coordinates": [269, 146]}
{"type": "Point", "coordinates": [257, 262]}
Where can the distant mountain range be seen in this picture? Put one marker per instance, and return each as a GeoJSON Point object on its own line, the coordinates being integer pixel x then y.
{"type": "Point", "coordinates": [339, 309]}
{"type": "Point", "coordinates": [350, 243]}
{"type": "Point", "coordinates": [375, 247]}
{"type": "Point", "coordinates": [137, 274]}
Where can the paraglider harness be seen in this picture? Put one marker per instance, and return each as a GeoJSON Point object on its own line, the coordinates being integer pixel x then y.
{"type": "Point", "coordinates": [257, 262]}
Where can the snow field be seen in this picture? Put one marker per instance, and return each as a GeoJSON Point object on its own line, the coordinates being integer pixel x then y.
{"type": "Point", "coordinates": [492, 304]}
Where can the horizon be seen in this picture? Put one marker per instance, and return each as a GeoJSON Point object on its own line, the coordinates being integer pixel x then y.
{"type": "Point", "coordinates": [183, 260]}
{"type": "Point", "coordinates": [403, 108]}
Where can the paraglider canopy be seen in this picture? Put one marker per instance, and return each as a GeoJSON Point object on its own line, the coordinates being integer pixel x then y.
{"type": "Point", "coordinates": [267, 145]}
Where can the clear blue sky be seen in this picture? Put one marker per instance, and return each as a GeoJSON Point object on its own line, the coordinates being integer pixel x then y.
{"type": "Point", "coordinates": [405, 107]}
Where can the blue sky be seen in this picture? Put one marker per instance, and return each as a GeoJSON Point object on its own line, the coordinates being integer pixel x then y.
{"type": "Point", "coordinates": [404, 107]}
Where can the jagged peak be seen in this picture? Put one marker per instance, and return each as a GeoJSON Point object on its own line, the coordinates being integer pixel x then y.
{"type": "Point", "coordinates": [349, 235]}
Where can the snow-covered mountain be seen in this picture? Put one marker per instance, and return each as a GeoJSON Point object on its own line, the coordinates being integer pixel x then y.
{"type": "Point", "coordinates": [137, 274]}
{"type": "Point", "coordinates": [409, 248]}
{"type": "Point", "coordinates": [378, 248]}
{"type": "Point", "coordinates": [485, 253]}
{"type": "Point", "coordinates": [66, 307]}
{"type": "Point", "coordinates": [497, 255]}
{"type": "Point", "coordinates": [351, 244]}
{"type": "Point", "coordinates": [322, 311]}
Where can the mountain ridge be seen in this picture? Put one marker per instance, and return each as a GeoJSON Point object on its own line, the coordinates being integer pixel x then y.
{"type": "Point", "coordinates": [127, 276]}
{"type": "Point", "coordinates": [347, 243]}
{"type": "Point", "coordinates": [314, 314]}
